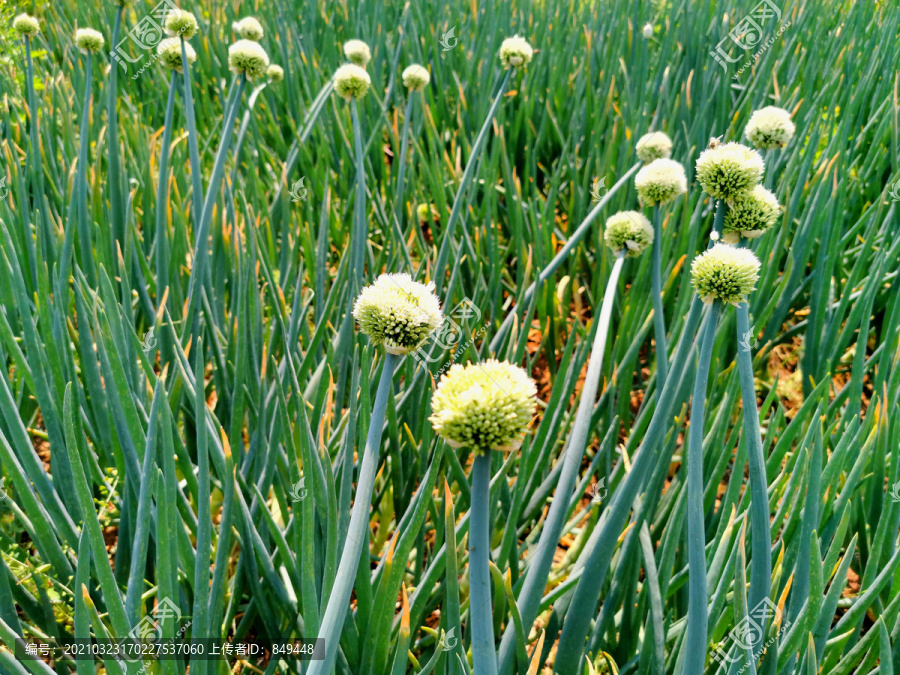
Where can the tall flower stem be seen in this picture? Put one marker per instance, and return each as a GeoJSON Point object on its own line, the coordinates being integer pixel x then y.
{"type": "Point", "coordinates": [114, 176]}
{"type": "Point", "coordinates": [79, 197]}
{"type": "Point", "coordinates": [162, 243]}
{"type": "Point", "coordinates": [87, 258]}
{"type": "Point", "coordinates": [401, 175]}
{"type": "Point", "coordinates": [769, 181]}
{"type": "Point", "coordinates": [339, 600]}
{"type": "Point", "coordinates": [760, 527]}
{"type": "Point", "coordinates": [37, 172]}
{"type": "Point", "coordinates": [469, 173]}
{"type": "Point", "coordinates": [582, 609]}
{"type": "Point", "coordinates": [242, 130]}
{"type": "Point", "coordinates": [161, 235]}
{"type": "Point", "coordinates": [659, 320]}
{"type": "Point", "coordinates": [481, 621]}
{"type": "Point", "coordinates": [36, 162]}
{"type": "Point", "coordinates": [538, 570]}
{"type": "Point", "coordinates": [360, 226]}
{"type": "Point", "coordinates": [193, 144]}
{"type": "Point", "coordinates": [201, 246]}
{"type": "Point", "coordinates": [698, 618]}
{"type": "Point", "coordinates": [359, 233]}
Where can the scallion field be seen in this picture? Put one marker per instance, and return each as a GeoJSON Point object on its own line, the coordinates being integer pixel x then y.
{"type": "Point", "coordinates": [556, 337]}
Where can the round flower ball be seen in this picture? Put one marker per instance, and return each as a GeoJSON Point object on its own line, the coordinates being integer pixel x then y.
{"type": "Point", "coordinates": [629, 231]}
{"type": "Point", "coordinates": [248, 58]}
{"type": "Point", "coordinates": [351, 81]}
{"type": "Point", "coordinates": [248, 28]}
{"type": "Point", "coordinates": [357, 52]}
{"type": "Point", "coordinates": [181, 23]}
{"type": "Point", "coordinates": [423, 211]}
{"type": "Point", "coordinates": [652, 146]}
{"type": "Point", "coordinates": [26, 25]}
{"type": "Point", "coordinates": [660, 181]}
{"type": "Point", "coordinates": [275, 73]}
{"type": "Point", "coordinates": [416, 77]}
{"type": "Point", "coordinates": [515, 52]}
{"type": "Point", "coordinates": [88, 40]}
{"type": "Point", "coordinates": [647, 31]}
{"type": "Point", "coordinates": [485, 406]}
{"type": "Point", "coordinates": [725, 273]}
{"type": "Point", "coordinates": [728, 170]}
{"type": "Point", "coordinates": [770, 127]}
{"type": "Point", "coordinates": [398, 312]}
{"type": "Point", "coordinates": [169, 52]}
{"type": "Point", "coordinates": [751, 215]}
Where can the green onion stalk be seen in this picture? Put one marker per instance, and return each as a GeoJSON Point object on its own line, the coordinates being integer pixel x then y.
{"type": "Point", "coordinates": [626, 234]}
{"type": "Point", "coordinates": [359, 235]}
{"type": "Point", "coordinates": [724, 274]}
{"type": "Point", "coordinates": [161, 235]}
{"type": "Point", "coordinates": [197, 198]}
{"type": "Point", "coordinates": [495, 419]}
{"type": "Point", "coordinates": [352, 83]}
{"type": "Point", "coordinates": [360, 225]}
{"type": "Point", "coordinates": [162, 244]}
{"type": "Point", "coordinates": [249, 62]}
{"type": "Point", "coordinates": [339, 600]}
{"type": "Point", "coordinates": [657, 183]}
{"type": "Point", "coordinates": [481, 615]}
{"type": "Point", "coordinates": [659, 320]}
{"type": "Point", "coordinates": [80, 192]}
{"type": "Point", "coordinates": [201, 252]}
{"type": "Point", "coordinates": [416, 79]}
{"type": "Point", "coordinates": [116, 206]}
{"type": "Point", "coordinates": [771, 162]}
{"type": "Point", "coordinates": [35, 160]}
{"type": "Point", "coordinates": [515, 54]}
{"type": "Point", "coordinates": [401, 175]}
{"type": "Point", "coordinates": [245, 124]}
{"type": "Point", "coordinates": [697, 618]}
{"type": "Point", "coordinates": [584, 598]}
{"type": "Point", "coordinates": [760, 526]}
{"type": "Point", "coordinates": [392, 301]}
{"type": "Point", "coordinates": [750, 216]}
